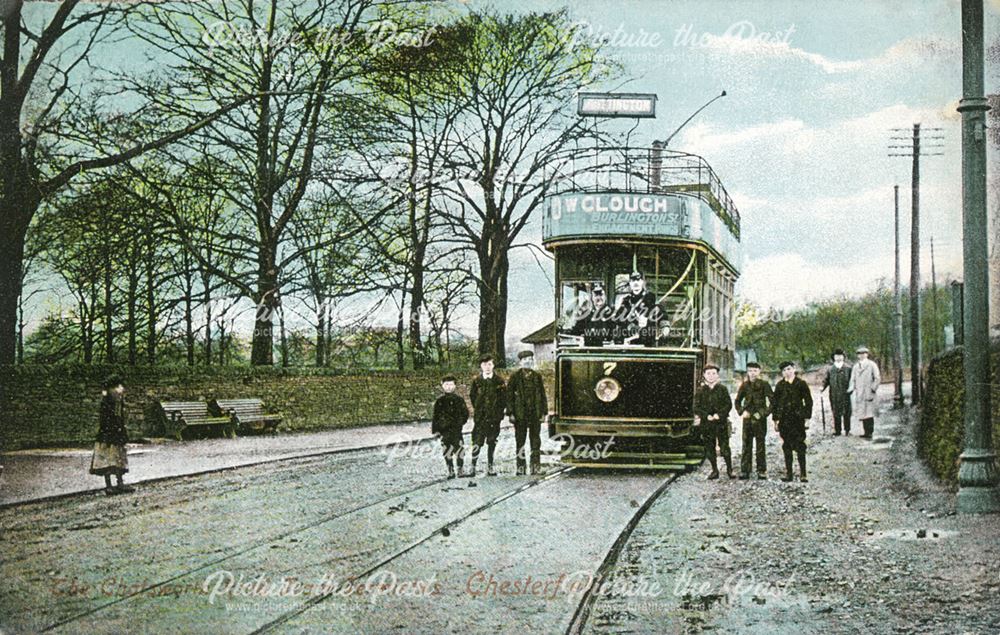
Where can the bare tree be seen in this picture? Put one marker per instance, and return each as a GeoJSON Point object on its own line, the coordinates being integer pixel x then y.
{"type": "Point", "coordinates": [522, 71]}
{"type": "Point", "coordinates": [41, 101]}
{"type": "Point", "coordinates": [300, 62]}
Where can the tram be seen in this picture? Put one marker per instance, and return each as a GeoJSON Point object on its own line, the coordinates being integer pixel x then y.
{"type": "Point", "coordinates": [646, 245]}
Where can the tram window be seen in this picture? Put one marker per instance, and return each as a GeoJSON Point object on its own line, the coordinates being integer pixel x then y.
{"type": "Point", "coordinates": [668, 292]}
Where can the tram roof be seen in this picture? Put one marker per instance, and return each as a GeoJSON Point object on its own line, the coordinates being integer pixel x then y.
{"type": "Point", "coordinates": [650, 171]}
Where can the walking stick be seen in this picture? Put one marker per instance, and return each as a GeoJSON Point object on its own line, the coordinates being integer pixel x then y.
{"type": "Point", "coordinates": [822, 407]}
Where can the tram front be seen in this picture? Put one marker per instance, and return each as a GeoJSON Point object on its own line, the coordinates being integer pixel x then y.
{"type": "Point", "coordinates": [644, 297]}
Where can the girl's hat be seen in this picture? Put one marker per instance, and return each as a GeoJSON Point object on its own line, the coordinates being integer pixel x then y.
{"type": "Point", "coordinates": [112, 382]}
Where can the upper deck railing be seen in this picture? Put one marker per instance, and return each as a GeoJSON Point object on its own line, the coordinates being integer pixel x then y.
{"type": "Point", "coordinates": [646, 171]}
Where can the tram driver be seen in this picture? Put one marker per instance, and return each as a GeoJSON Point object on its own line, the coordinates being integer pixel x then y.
{"type": "Point", "coordinates": [637, 311]}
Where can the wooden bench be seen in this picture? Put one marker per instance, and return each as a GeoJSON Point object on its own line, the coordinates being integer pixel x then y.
{"type": "Point", "coordinates": [179, 416]}
{"type": "Point", "coordinates": [246, 414]}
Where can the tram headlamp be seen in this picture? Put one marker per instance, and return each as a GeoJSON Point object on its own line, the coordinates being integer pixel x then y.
{"type": "Point", "coordinates": [607, 389]}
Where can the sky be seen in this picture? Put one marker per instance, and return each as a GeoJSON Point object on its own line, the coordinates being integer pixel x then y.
{"type": "Point", "coordinates": [801, 139]}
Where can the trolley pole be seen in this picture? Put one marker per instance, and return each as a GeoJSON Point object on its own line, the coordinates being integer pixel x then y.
{"type": "Point", "coordinates": [898, 318]}
{"type": "Point", "coordinates": [977, 472]}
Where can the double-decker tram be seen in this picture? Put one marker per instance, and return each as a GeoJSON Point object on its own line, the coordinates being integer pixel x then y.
{"type": "Point", "coordinates": [646, 244]}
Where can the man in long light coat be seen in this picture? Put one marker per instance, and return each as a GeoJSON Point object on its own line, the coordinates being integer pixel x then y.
{"type": "Point", "coordinates": [865, 378]}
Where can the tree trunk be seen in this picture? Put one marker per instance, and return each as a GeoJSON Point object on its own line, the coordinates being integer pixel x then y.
{"type": "Point", "coordinates": [222, 344]}
{"type": "Point", "coordinates": [284, 338]}
{"type": "Point", "coordinates": [416, 302]}
{"type": "Point", "coordinates": [400, 351]}
{"type": "Point", "coordinates": [18, 204]}
{"type": "Point", "coordinates": [131, 295]}
{"type": "Point", "coordinates": [151, 312]}
{"type": "Point", "coordinates": [493, 304]}
{"type": "Point", "coordinates": [321, 334]}
{"type": "Point", "coordinates": [206, 281]}
{"type": "Point", "coordinates": [109, 334]}
{"type": "Point", "coordinates": [262, 353]}
{"type": "Point", "coordinates": [188, 313]}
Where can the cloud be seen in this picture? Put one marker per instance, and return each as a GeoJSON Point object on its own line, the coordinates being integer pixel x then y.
{"type": "Point", "coordinates": [787, 280]}
{"type": "Point", "coordinates": [741, 40]}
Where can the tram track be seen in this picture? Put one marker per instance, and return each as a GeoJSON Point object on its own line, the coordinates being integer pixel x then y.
{"type": "Point", "coordinates": [535, 612]}
{"type": "Point", "coordinates": [580, 615]}
{"type": "Point", "coordinates": [266, 542]}
{"type": "Point", "coordinates": [258, 544]}
{"type": "Point", "coordinates": [583, 609]}
{"type": "Point", "coordinates": [318, 599]}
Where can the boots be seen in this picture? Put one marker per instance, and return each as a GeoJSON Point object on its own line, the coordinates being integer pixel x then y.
{"type": "Point", "coordinates": [788, 468]}
{"type": "Point", "coordinates": [802, 468]}
{"type": "Point", "coordinates": [715, 472]}
{"type": "Point", "coordinates": [869, 427]}
{"type": "Point", "coordinates": [729, 468]}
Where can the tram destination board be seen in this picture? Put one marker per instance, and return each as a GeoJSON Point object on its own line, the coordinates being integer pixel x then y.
{"type": "Point", "coordinates": [652, 215]}
{"type": "Point", "coordinates": [639, 105]}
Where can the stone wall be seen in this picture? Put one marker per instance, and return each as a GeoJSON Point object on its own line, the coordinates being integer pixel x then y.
{"type": "Point", "coordinates": [58, 405]}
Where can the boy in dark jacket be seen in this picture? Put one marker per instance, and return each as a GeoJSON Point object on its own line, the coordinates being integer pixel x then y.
{"type": "Point", "coordinates": [489, 400]}
{"type": "Point", "coordinates": [792, 408]}
{"type": "Point", "coordinates": [450, 415]}
{"type": "Point", "coordinates": [109, 450]}
{"type": "Point", "coordinates": [712, 404]}
{"type": "Point", "coordinates": [754, 401]}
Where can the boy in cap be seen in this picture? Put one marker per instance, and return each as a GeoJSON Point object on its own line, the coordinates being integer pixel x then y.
{"type": "Point", "coordinates": [526, 407]}
{"type": "Point", "coordinates": [754, 401]}
{"type": "Point", "coordinates": [489, 400]}
{"type": "Point", "coordinates": [792, 408]}
{"type": "Point", "coordinates": [712, 404]}
{"type": "Point", "coordinates": [109, 449]}
{"type": "Point", "coordinates": [837, 379]}
{"type": "Point", "coordinates": [865, 378]}
{"type": "Point", "coordinates": [450, 415]}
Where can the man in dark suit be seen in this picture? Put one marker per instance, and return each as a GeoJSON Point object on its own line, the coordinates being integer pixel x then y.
{"type": "Point", "coordinates": [837, 379]}
{"type": "Point", "coordinates": [527, 406]}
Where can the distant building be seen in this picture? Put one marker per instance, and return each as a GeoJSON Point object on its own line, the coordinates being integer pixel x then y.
{"type": "Point", "coordinates": [543, 341]}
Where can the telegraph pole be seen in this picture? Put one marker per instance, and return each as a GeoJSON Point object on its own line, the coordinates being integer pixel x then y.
{"type": "Point", "coordinates": [898, 321]}
{"type": "Point", "coordinates": [977, 472]}
{"type": "Point", "coordinates": [935, 342]}
{"type": "Point", "coordinates": [916, 364]}
{"type": "Point", "coordinates": [915, 152]}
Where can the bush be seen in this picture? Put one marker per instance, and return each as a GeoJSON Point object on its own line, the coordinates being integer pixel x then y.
{"type": "Point", "coordinates": [940, 427]}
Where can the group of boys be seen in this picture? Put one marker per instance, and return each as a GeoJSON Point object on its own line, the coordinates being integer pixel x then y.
{"type": "Point", "coordinates": [521, 398]}
{"type": "Point", "coordinates": [789, 403]}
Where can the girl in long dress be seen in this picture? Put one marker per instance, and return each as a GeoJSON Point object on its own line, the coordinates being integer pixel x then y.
{"type": "Point", "coordinates": [109, 450]}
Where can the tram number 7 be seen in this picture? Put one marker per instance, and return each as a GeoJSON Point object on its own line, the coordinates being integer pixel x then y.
{"type": "Point", "coordinates": [609, 366]}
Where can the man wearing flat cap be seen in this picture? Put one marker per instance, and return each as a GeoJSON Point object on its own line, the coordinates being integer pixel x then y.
{"type": "Point", "coordinates": [754, 401]}
{"type": "Point", "coordinates": [712, 404]}
{"type": "Point", "coordinates": [636, 309]}
{"type": "Point", "coordinates": [527, 407]}
{"type": "Point", "coordinates": [488, 395]}
{"type": "Point", "coordinates": [865, 378]}
{"type": "Point", "coordinates": [792, 408]}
